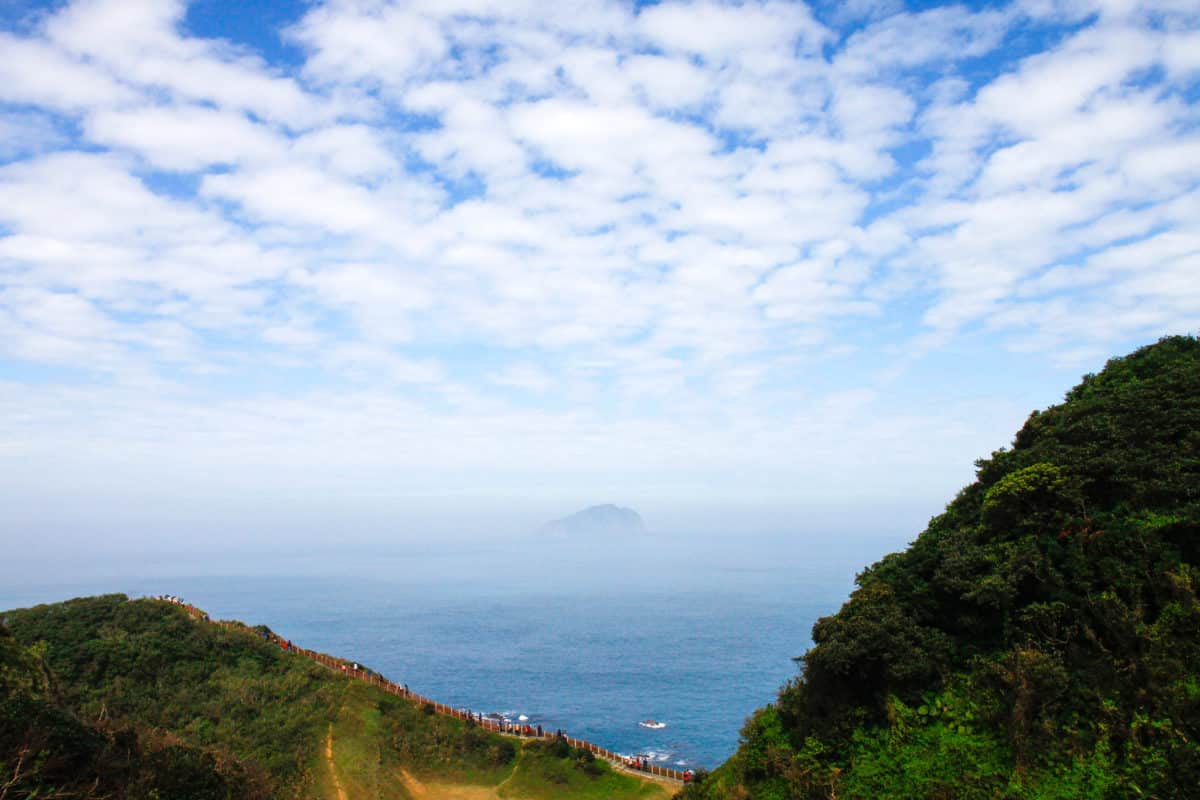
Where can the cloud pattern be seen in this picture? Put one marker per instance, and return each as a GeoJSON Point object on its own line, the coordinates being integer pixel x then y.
{"type": "Point", "coordinates": [521, 235]}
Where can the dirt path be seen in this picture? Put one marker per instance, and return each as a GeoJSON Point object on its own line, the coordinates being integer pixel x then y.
{"type": "Point", "coordinates": [337, 785]}
{"type": "Point", "coordinates": [441, 791]}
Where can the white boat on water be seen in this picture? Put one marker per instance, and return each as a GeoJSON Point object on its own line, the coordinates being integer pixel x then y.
{"type": "Point", "coordinates": [653, 723]}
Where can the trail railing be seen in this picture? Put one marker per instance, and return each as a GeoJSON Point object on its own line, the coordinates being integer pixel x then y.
{"type": "Point", "coordinates": [352, 670]}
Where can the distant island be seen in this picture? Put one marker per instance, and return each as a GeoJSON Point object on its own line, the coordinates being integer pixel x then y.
{"type": "Point", "coordinates": [605, 519]}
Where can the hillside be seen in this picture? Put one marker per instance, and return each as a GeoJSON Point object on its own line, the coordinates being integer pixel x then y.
{"type": "Point", "coordinates": [107, 697]}
{"type": "Point", "coordinates": [1040, 639]}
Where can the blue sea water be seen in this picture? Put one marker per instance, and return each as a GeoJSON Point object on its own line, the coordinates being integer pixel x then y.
{"type": "Point", "coordinates": [694, 632]}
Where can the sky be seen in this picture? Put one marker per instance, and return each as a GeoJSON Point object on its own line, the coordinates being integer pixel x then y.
{"type": "Point", "coordinates": [371, 271]}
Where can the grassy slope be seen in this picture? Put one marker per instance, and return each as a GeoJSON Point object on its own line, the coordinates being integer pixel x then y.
{"type": "Point", "coordinates": [255, 720]}
{"type": "Point", "coordinates": [541, 776]}
{"type": "Point", "coordinates": [356, 750]}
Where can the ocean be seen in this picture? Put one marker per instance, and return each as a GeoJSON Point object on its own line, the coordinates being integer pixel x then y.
{"type": "Point", "coordinates": [693, 632]}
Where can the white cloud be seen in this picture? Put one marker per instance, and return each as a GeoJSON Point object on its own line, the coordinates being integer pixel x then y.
{"type": "Point", "coordinates": [186, 138]}
{"type": "Point", "coordinates": [720, 32]}
{"type": "Point", "coordinates": [35, 73]}
{"type": "Point", "coordinates": [352, 151]}
{"type": "Point", "coordinates": [668, 83]}
{"type": "Point", "coordinates": [299, 194]}
{"type": "Point", "coordinates": [383, 298]}
{"type": "Point", "coordinates": [78, 195]}
{"type": "Point", "coordinates": [364, 41]}
{"type": "Point", "coordinates": [138, 40]}
{"type": "Point", "coordinates": [509, 226]}
{"type": "Point", "coordinates": [936, 36]}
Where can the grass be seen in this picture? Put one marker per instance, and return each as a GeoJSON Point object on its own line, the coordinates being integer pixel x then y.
{"type": "Point", "coordinates": [364, 766]}
{"type": "Point", "coordinates": [540, 775]}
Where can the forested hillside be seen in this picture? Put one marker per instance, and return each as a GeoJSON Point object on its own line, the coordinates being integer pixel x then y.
{"type": "Point", "coordinates": [1040, 639]}
{"type": "Point", "coordinates": [109, 698]}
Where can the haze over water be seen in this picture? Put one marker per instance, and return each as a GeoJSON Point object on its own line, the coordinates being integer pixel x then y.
{"type": "Point", "coordinates": [591, 637]}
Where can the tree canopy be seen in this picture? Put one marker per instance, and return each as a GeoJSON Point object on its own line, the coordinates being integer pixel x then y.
{"type": "Point", "coordinates": [1041, 638]}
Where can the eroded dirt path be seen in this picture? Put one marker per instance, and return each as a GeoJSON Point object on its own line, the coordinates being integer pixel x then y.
{"type": "Point", "coordinates": [337, 785]}
{"type": "Point", "coordinates": [441, 791]}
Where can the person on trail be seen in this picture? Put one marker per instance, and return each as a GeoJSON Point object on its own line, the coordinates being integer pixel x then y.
{"type": "Point", "coordinates": [539, 730]}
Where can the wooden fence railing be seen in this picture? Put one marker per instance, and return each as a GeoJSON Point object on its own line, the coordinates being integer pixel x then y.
{"type": "Point", "coordinates": [497, 726]}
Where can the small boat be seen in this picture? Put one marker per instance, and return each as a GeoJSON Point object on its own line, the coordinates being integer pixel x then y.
{"type": "Point", "coordinates": [652, 723]}
{"type": "Point", "coordinates": [522, 718]}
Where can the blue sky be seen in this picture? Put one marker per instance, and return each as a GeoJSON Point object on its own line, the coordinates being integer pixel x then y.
{"type": "Point", "coordinates": [760, 265]}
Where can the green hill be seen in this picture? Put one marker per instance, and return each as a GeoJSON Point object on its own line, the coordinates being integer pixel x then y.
{"type": "Point", "coordinates": [107, 697]}
{"type": "Point", "coordinates": [1040, 639]}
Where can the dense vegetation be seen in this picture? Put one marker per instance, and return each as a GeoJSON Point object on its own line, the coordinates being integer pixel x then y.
{"type": "Point", "coordinates": [105, 697]}
{"type": "Point", "coordinates": [1040, 639]}
{"type": "Point", "coordinates": [102, 697]}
